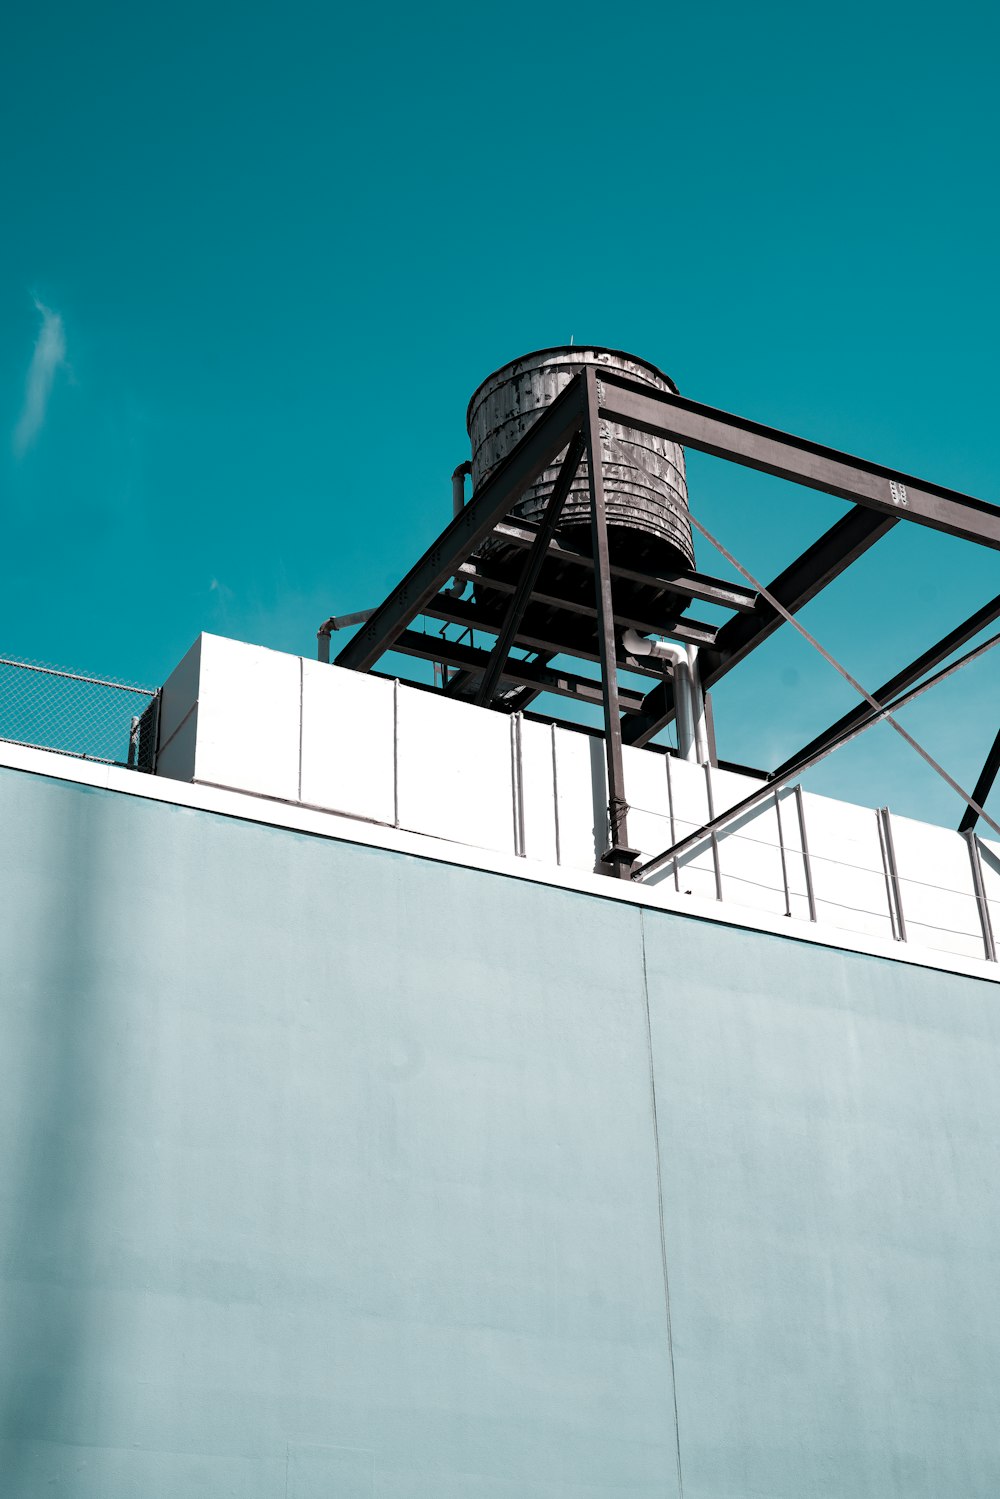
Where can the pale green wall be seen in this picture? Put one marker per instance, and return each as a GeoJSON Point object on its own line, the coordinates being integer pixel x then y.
{"type": "Point", "coordinates": [331, 1173]}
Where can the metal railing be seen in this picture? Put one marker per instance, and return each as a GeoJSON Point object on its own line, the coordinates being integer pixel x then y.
{"type": "Point", "coordinates": [93, 718]}
{"type": "Point", "coordinates": [790, 875]}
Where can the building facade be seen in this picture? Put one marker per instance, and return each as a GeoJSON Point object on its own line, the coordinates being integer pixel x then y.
{"type": "Point", "coordinates": [402, 1156]}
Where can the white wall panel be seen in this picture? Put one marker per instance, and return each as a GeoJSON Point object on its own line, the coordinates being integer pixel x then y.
{"type": "Point", "coordinates": [178, 697]}
{"type": "Point", "coordinates": [689, 793]}
{"type": "Point", "coordinates": [648, 796]}
{"type": "Point", "coordinates": [750, 853]}
{"type": "Point", "coordinates": [248, 718]}
{"type": "Point", "coordinates": [937, 894]}
{"type": "Point", "coordinates": [581, 799]}
{"type": "Point", "coordinates": [176, 758]}
{"type": "Point", "coordinates": [348, 739]}
{"type": "Point", "coordinates": [847, 869]}
{"type": "Point", "coordinates": [454, 771]}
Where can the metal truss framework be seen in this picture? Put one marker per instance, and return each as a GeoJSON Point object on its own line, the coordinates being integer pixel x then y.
{"type": "Point", "coordinates": [545, 599]}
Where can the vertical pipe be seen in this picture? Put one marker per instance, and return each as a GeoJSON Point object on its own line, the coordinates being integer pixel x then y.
{"type": "Point", "coordinates": [687, 746]}
{"type": "Point", "coordinates": [985, 921]}
{"type": "Point", "coordinates": [618, 855]}
{"type": "Point", "coordinates": [701, 749]}
{"type": "Point", "coordinates": [806, 866]}
{"type": "Point", "coordinates": [458, 488]}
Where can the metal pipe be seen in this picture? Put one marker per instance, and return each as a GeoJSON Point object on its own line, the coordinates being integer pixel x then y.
{"type": "Point", "coordinates": [337, 622]}
{"type": "Point", "coordinates": [664, 650]}
{"type": "Point", "coordinates": [458, 488]}
{"type": "Point", "coordinates": [456, 587]}
{"type": "Point", "coordinates": [700, 725]}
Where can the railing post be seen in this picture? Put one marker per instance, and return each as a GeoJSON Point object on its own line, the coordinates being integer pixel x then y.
{"type": "Point", "coordinates": [713, 837]}
{"type": "Point", "coordinates": [892, 886]}
{"type": "Point", "coordinates": [806, 865]}
{"type": "Point", "coordinates": [781, 850]}
{"type": "Point", "coordinates": [982, 904]}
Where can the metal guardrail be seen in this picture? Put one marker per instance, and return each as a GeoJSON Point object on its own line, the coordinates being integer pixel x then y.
{"type": "Point", "coordinates": [93, 718]}
{"type": "Point", "coordinates": [792, 881]}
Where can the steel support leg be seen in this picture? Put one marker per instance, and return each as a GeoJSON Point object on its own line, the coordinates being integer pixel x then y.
{"type": "Point", "coordinates": [618, 856]}
{"type": "Point", "coordinates": [529, 576]}
{"type": "Point", "coordinates": [983, 787]}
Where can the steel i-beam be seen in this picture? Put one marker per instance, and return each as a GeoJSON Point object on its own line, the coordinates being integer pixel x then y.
{"type": "Point", "coordinates": [618, 855]}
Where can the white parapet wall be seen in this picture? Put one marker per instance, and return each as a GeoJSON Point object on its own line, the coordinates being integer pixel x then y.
{"type": "Point", "coordinates": [295, 730]}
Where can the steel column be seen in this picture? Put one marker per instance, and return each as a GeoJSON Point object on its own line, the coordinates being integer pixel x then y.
{"type": "Point", "coordinates": [618, 854]}
{"type": "Point", "coordinates": [984, 786]}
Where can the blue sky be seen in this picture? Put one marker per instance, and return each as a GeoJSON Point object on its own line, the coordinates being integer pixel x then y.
{"type": "Point", "coordinates": [256, 258]}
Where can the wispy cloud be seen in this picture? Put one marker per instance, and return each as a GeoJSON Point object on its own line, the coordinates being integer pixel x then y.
{"type": "Point", "coordinates": [48, 358]}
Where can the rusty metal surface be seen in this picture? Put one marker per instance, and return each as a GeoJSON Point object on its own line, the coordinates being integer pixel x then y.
{"type": "Point", "coordinates": [645, 484]}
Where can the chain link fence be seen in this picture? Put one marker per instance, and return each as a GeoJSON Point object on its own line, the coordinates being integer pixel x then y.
{"type": "Point", "coordinates": [91, 717]}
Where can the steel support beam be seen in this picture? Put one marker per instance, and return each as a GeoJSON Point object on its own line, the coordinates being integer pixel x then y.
{"type": "Point", "coordinates": [700, 586]}
{"type": "Point", "coordinates": [801, 581]}
{"type": "Point", "coordinates": [817, 467]}
{"type": "Point", "coordinates": [983, 787]}
{"type": "Point", "coordinates": [529, 576]}
{"type": "Point", "coordinates": [546, 639]}
{"type": "Point", "coordinates": [521, 673]}
{"type": "Point", "coordinates": [538, 447]}
{"type": "Point", "coordinates": [695, 631]}
{"type": "Point", "coordinates": [829, 556]}
{"type": "Point", "coordinates": [618, 856]}
{"type": "Point", "coordinates": [910, 674]}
